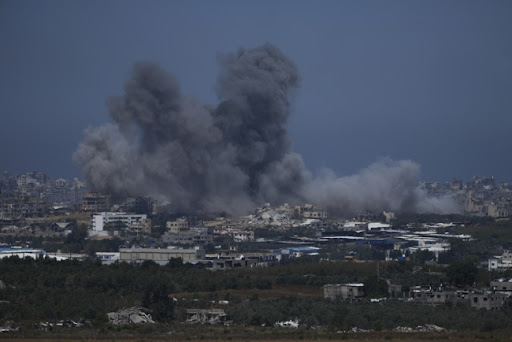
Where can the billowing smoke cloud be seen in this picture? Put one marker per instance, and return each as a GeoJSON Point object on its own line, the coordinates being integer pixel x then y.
{"type": "Point", "coordinates": [384, 185]}
{"type": "Point", "coordinates": [232, 157]}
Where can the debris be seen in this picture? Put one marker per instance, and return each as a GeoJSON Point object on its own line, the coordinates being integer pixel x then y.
{"type": "Point", "coordinates": [359, 330]}
{"type": "Point", "coordinates": [288, 324]}
{"type": "Point", "coordinates": [212, 316]}
{"type": "Point", "coordinates": [9, 326]}
{"type": "Point", "coordinates": [130, 316]}
{"type": "Point", "coordinates": [48, 326]}
{"type": "Point", "coordinates": [377, 300]}
{"type": "Point", "coordinates": [421, 328]}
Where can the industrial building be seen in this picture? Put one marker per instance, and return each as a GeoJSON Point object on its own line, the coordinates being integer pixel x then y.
{"type": "Point", "coordinates": [160, 255]}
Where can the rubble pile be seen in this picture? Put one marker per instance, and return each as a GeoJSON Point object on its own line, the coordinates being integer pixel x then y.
{"type": "Point", "coordinates": [48, 326]}
{"type": "Point", "coordinates": [212, 316]}
{"type": "Point", "coordinates": [288, 324]}
{"type": "Point", "coordinates": [9, 326]}
{"type": "Point", "coordinates": [359, 330]}
{"type": "Point", "coordinates": [421, 328]}
{"type": "Point", "coordinates": [130, 316]}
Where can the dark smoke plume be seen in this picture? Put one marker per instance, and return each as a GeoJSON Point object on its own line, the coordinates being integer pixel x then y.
{"type": "Point", "coordinates": [232, 157]}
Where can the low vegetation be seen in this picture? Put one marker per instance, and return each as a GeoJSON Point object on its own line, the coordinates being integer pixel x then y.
{"type": "Point", "coordinates": [47, 290]}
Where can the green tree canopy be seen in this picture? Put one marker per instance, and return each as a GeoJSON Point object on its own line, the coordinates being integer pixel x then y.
{"type": "Point", "coordinates": [375, 287]}
{"type": "Point", "coordinates": [462, 273]}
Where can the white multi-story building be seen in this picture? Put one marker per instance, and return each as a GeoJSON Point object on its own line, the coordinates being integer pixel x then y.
{"type": "Point", "coordinates": [117, 220]}
{"type": "Point", "coordinates": [501, 262]}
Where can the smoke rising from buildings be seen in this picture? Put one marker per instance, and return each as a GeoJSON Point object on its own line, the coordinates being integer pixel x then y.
{"type": "Point", "coordinates": [384, 185]}
{"type": "Point", "coordinates": [232, 157]}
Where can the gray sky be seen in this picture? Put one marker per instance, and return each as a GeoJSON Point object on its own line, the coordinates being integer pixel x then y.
{"type": "Point", "coordinates": [429, 81]}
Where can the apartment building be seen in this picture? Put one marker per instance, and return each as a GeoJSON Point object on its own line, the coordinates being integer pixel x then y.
{"type": "Point", "coordinates": [115, 221]}
{"type": "Point", "coordinates": [177, 226]}
{"type": "Point", "coordinates": [95, 202]}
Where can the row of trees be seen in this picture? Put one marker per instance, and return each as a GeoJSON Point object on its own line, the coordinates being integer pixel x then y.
{"type": "Point", "coordinates": [337, 315]}
{"type": "Point", "coordinates": [49, 290]}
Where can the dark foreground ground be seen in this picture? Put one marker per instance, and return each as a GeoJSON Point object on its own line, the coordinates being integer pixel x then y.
{"type": "Point", "coordinates": [202, 333]}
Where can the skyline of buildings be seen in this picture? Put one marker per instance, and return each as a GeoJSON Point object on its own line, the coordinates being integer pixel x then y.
{"type": "Point", "coordinates": [482, 196]}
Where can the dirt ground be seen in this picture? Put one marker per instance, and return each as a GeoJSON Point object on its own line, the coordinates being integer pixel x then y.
{"type": "Point", "coordinates": [256, 334]}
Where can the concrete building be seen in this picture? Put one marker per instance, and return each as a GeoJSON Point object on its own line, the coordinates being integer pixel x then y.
{"type": "Point", "coordinates": [498, 210]}
{"type": "Point", "coordinates": [226, 264]}
{"type": "Point", "coordinates": [95, 202]}
{"type": "Point", "coordinates": [192, 236]}
{"type": "Point", "coordinates": [178, 225]}
{"type": "Point", "coordinates": [223, 260]}
{"type": "Point", "coordinates": [32, 178]}
{"type": "Point", "coordinates": [141, 227]}
{"type": "Point", "coordinates": [489, 300]}
{"type": "Point", "coordinates": [18, 207]}
{"type": "Point", "coordinates": [344, 291]}
{"type": "Point", "coordinates": [139, 205]}
{"type": "Point", "coordinates": [160, 256]}
{"type": "Point", "coordinates": [206, 316]}
{"type": "Point", "coordinates": [479, 299]}
{"type": "Point", "coordinates": [500, 262]}
{"type": "Point", "coordinates": [242, 235]}
{"type": "Point", "coordinates": [116, 221]}
{"type": "Point", "coordinates": [436, 296]}
{"type": "Point", "coordinates": [61, 183]}
{"type": "Point", "coordinates": [310, 211]}
{"type": "Point", "coordinates": [502, 285]}
{"type": "Point", "coordinates": [285, 210]}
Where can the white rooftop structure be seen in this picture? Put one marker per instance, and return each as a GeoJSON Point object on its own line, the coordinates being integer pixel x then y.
{"type": "Point", "coordinates": [21, 252]}
{"type": "Point", "coordinates": [378, 225]}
